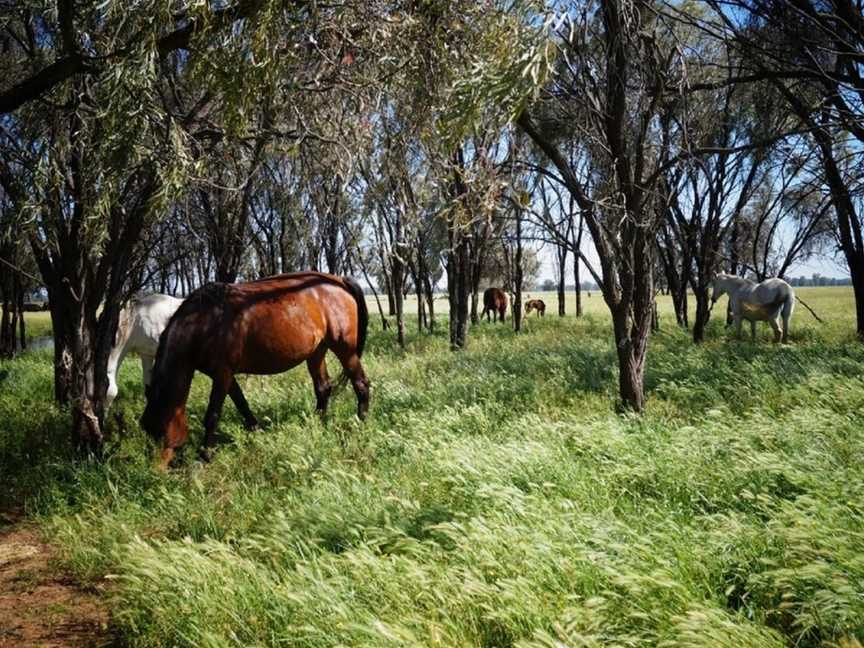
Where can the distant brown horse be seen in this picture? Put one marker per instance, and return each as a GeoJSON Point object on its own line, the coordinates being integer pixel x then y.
{"type": "Point", "coordinates": [261, 327]}
{"type": "Point", "coordinates": [536, 304]}
{"type": "Point", "coordinates": [494, 302]}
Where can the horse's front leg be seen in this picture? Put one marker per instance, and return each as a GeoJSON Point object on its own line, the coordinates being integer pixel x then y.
{"type": "Point", "coordinates": [218, 392]}
{"type": "Point", "coordinates": [114, 362]}
{"type": "Point", "coordinates": [753, 331]}
{"type": "Point", "coordinates": [737, 326]}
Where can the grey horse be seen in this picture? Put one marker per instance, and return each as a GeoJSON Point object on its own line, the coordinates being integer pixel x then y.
{"type": "Point", "coordinates": [769, 301]}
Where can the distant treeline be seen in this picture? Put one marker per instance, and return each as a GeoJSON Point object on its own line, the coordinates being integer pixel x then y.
{"type": "Point", "coordinates": [552, 286]}
{"type": "Point", "coordinates": [819, 280]}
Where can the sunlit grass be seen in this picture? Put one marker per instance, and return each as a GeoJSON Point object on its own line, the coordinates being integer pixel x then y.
{"type": "Point", "coordinates": [494, 498]}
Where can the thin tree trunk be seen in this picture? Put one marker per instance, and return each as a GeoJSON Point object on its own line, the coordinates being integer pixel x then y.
{"type": "Point", "coordinates": [577, 286]}
{"type": "Point", "coordinates": [562, 279]}
{"type": "Point", "coordinates": [517, 283]}
{"type": "Point", "coordinates": [21, 323]}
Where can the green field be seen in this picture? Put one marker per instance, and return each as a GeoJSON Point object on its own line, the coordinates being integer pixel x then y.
{"type": "Point", "coordinates": [493, 498]}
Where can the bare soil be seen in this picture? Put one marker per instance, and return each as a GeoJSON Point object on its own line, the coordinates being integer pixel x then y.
{"type": "Point", "coordinates": [39, 605]}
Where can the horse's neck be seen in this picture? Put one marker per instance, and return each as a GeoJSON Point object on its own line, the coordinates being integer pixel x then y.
{"type": "Point", "coordinates": [736, 285]}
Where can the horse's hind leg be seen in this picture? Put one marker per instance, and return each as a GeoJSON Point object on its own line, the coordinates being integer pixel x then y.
{"type": "Point", "coordinates": [242, 405]}
{"type": "Point", "coordinates": [776, 327]}
{"type": "Point", "coordinates": [320, 379]}
{"type": "Point", "coordinates": [354, 371]}
{"type": "Point", "coordinates": [786, 314]}
{"type": "Point", "coordinates": [753, 331]}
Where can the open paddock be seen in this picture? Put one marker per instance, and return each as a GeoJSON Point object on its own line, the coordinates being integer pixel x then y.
{"type": "Point", "coordinates": [493, 497]}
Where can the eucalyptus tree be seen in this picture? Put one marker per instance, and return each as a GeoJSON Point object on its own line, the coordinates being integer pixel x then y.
{"type": "Point", "coordinates": [810, 53]}
{"type": "Point", "coordinates": [617, 60]}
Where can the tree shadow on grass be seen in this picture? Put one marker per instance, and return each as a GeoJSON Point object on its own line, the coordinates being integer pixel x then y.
{"type": "Point", "coordinates": [741, 375]}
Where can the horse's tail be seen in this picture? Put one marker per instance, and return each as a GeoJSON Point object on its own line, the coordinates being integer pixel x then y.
{"type": "Point", "coordinates": [362, 312]}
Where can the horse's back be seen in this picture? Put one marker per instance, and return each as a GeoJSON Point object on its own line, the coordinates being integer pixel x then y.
{"type": "Point", "coordinates": [772, 291]}
{"type": "Point", "coordinates": [273, 324]}
{"type": "Point", "coordinates": [149, 316]}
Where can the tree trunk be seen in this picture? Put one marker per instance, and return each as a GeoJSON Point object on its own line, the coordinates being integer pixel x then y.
{"type": "Point", "coordinates": [577, 287]}
{"type": "Point", "coordinates": [391, 299]}
{"type": "Point", "coordinates": [458, 281]}
{"type": "Point", "coordinates": [474, 299]}
{"type": "Point", "coordinates": [21, 324]}
{"type": "Point", "coordinates": [703, 305]}
{"type": "Point", "coordinates": [631, 343]}
{"type": "Point", "coordinates": [562, 280]}
{"type": "Point", "coordinates": [517, 275]}
{"type": "Point", "coordinates": [430, 301]}
{"type": "Point", "coordinates": [849, 224]}
{"type": "Point", "coordinates": [397, 277]}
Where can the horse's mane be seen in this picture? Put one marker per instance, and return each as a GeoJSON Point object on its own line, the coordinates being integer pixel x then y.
{"type": "Point", "coordinates": [210, 293]}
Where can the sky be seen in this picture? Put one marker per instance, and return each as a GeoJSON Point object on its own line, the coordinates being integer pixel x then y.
{"type": "Point", "coordinates": [823, 265]}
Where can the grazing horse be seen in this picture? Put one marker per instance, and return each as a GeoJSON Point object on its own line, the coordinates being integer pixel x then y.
{"type": "Point", "coordinates": [141, 323]}
{"type": "Point", "coordinates": [261, 327]}
{"type": "Point", "coordinates": [494, 302]}
{"type": "Point", "coordinates": [768, 301]}
{"type": "Point", "coordinates": [536, 304]}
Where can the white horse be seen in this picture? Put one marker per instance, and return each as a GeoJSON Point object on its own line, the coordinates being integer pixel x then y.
{"type": "Point", "coordinates": [768, 301]}
{"type": "Point", "coordinates": [141, 324]}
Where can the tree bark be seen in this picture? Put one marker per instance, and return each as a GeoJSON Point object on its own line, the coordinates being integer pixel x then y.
{"type": "Point", "coordinates": [562, 280]}
{"type": "Point", "coordinates": [517, 275]}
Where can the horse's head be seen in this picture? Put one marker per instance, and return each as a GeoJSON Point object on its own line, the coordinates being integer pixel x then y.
{"type": "Point", "coordinates": [164, 416]}
{"type": "Point", "coordinates": [719, 287]}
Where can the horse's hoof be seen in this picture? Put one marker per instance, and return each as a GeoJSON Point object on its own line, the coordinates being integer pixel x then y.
{"type": "Point", "coordinates": [206, 454]}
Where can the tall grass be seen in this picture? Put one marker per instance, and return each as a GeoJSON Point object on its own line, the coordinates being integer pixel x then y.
{"type": "Point", "coordinates": [494, 498]}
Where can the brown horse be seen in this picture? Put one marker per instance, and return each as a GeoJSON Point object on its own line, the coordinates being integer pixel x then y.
{"type": "Point", "coordinates": [494, 302]}
{"type": "Point", "coordinates": [261, 327]}
{"type": "Point", "coordinates": [536, 304]}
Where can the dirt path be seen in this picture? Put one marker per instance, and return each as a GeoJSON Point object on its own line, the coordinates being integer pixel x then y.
{"type": "Point", "coordinates": [40, 606]}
